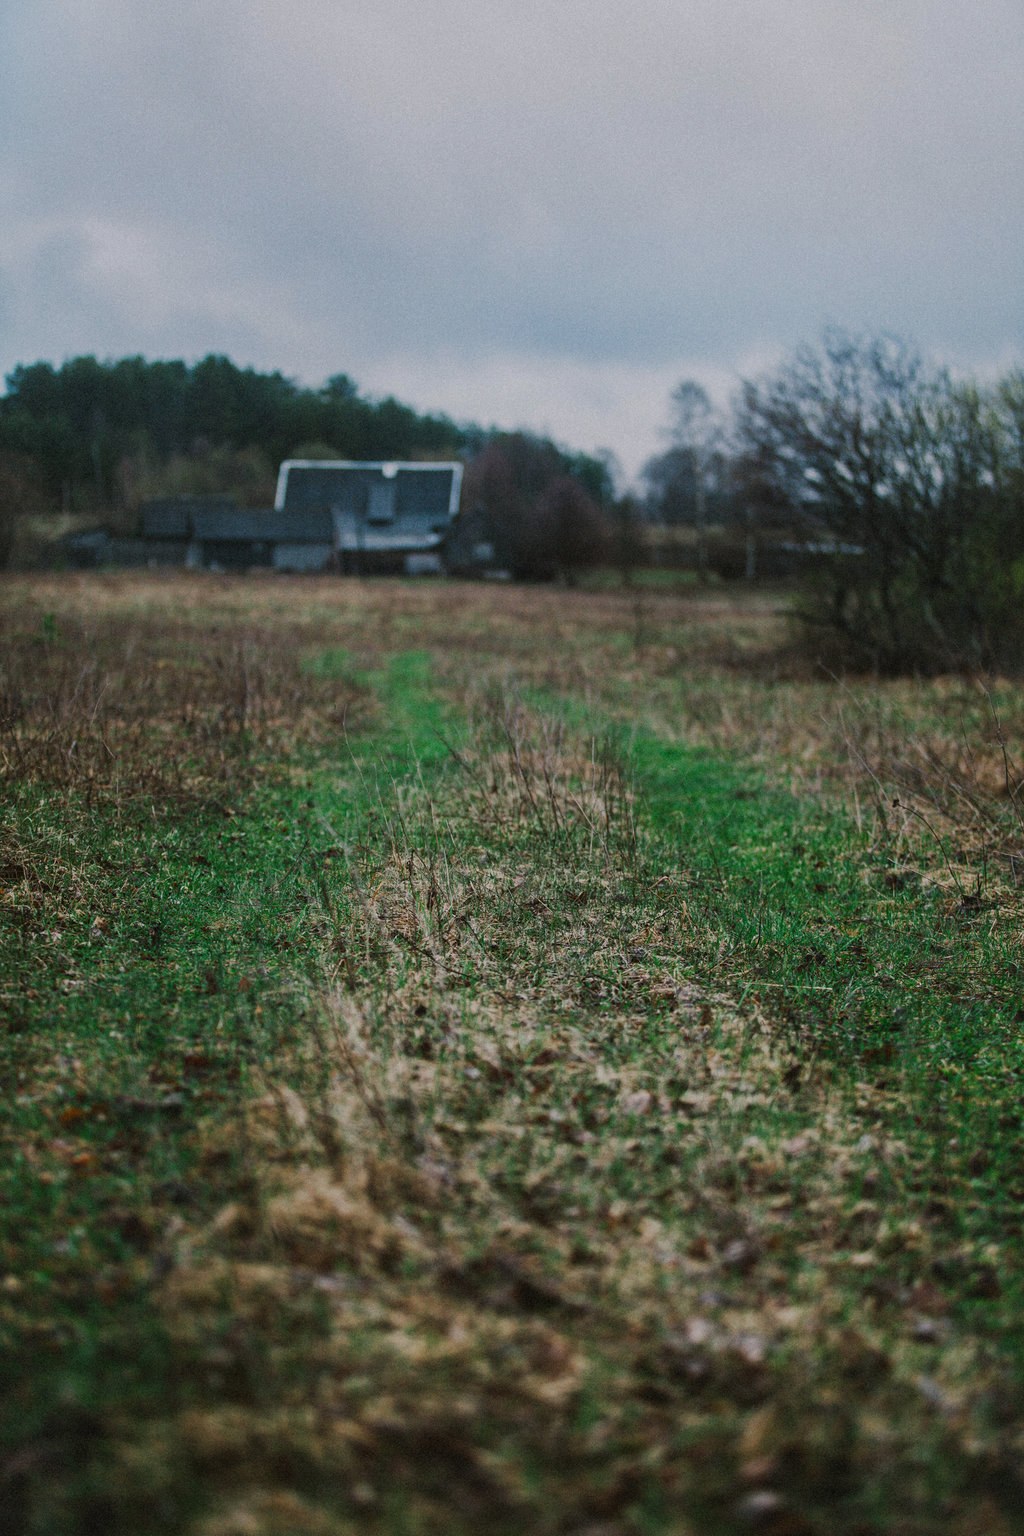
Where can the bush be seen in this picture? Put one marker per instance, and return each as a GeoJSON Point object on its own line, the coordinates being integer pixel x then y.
{"type": "Point", "coordinates": [540, 520]}
{"type": "Point", "coordinates": [909, 486]}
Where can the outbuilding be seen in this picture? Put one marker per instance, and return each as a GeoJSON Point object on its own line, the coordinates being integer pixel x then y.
{"type": "Point", "coordinates": [240, 539]}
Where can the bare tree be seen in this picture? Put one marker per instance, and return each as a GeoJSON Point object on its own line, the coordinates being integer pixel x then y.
{"type": "Point", "coordinates": [696, 434]}
{"type": "Point", "coordinates": [569, 527]}
{"type": "Point", "coordinates": [891, 469]}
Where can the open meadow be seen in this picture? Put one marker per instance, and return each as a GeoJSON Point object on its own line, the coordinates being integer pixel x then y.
{"type": "Point", "coordinates": [488, 1059]}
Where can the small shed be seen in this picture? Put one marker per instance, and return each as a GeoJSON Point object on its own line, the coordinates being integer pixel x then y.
{"type": "Point", "coordinates": [170, 517]}
{"type": "Point", "coordinates": [165, 526]}
{"type": "Point", "coordinates": [234, 539]}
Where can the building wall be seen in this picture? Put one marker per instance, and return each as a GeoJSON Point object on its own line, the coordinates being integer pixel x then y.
{"type": "Point", "coordinates": [303, 557]}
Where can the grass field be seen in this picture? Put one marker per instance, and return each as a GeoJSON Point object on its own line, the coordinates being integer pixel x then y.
{"type": "Point", "coordinates": [487, 1059]}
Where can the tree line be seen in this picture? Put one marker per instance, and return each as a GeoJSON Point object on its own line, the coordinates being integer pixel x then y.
{"type": "Point", "coordinates": [896, 487]}
{"type": "Point", "coordinates": [97, 437]}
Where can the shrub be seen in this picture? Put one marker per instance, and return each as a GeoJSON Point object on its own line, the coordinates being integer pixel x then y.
{"type": "Point", "coordinates": [910, 487]}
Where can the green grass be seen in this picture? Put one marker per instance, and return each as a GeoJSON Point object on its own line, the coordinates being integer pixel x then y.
{"type": "Point", "coordinates": [670, 1122]}
{"type": "Point", "coordinates": [918, 973]}
{"type": "Point", "coordinates": [864, 963]}
{"type": "Point", "coordinates": [131, 1013]}
{"type": "Point", "coordinates": [140, 996]}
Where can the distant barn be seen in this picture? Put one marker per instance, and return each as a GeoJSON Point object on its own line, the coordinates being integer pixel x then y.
{"type": "Point", "coordinates": [385, 516]}
{"type": "Point", "coordinates": [349, 516]}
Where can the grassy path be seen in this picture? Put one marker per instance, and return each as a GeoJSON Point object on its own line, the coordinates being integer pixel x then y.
{"type": "Point", "coordinates": [484, 1128]}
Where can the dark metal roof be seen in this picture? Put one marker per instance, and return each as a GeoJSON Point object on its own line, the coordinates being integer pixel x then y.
{"type": "Point", "coordinates": [391, 504]}
{"type": "Point", "coordinates": [312, 526]}
{"type": "Point", "coordinates": [170, 517]}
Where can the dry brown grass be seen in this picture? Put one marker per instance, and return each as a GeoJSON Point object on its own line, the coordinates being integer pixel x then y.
{"type": "Point", "coordinates": [120, 689]}
{"type": "Point", "coordinates": [547, 1233]}
{"type": "Point", "coordinates": [528, 1228]}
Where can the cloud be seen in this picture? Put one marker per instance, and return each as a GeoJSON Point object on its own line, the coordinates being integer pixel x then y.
{"type": "Point", "coordinates": [483, 192]}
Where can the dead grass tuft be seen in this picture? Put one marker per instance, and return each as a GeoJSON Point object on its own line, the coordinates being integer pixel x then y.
{"type": "Point", "coordinates": [529, 1228]}
{"type": "Point", "coordinates": [601, 1252]}
{"type": "Point", "coordinates": [123, 707]}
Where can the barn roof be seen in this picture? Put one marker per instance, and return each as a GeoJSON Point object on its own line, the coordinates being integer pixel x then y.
{"type": "Point", "coordinates": [380, 496]}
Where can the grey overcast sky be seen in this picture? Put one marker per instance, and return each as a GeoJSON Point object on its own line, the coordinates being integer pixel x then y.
{"type": "Point", "coordinates": [539, 214]}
